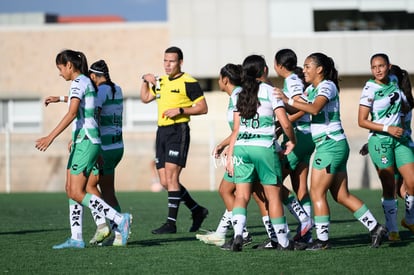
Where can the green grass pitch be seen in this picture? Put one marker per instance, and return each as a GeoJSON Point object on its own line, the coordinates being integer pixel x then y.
{"type": "Point", "coordinates": [31, 223]}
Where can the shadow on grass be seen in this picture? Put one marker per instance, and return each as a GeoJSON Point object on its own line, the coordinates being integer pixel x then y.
{"type": "Point", "coordinates": [23, 232]}
{"type": "Point", "coordinates": [362, 240]}
{"type": "Point", "coordinates": [158, 241]}
{"type": "Point", "coordinates": [349, 241]}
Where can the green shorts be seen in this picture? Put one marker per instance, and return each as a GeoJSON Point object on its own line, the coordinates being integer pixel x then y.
{"type": "Point", "coordinates": [227, 178]}
{"type": "Point", "coordinates": [331, 155]}
{"type": "Point", "coordinates": [83, 157]}
{"type": "Point", "coordinates": [253, 163]}
{"type": "Point", "coordinates": [386, 151]}
{"type": "Point", "coordinates": [301, 153]}
{"type": "Point", "coordinates": [111, 158]}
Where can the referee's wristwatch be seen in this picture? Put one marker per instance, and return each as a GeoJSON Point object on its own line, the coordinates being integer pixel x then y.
{"type": "Point", "coordinates": [181, 111]}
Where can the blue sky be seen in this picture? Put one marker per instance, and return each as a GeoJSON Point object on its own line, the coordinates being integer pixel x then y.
{"type": "Point", "coordinates": [131, 10]}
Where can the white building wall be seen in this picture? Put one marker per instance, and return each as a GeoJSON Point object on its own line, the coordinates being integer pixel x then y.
{"type": "Point", "coordinates": [216, 32]}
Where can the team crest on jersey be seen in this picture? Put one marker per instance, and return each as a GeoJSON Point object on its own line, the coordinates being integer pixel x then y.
{"type": "Point", "coordinates": [384, 160]}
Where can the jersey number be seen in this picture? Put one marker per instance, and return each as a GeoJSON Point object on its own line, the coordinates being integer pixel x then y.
{"type": "Point", "coordinates": [253, 122]}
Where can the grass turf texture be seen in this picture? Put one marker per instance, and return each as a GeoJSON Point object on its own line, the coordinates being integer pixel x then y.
{"type": "Point", "coordinates": [32, 223]}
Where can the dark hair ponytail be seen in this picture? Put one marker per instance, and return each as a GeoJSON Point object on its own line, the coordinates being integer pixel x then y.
{"type": "Point", "coordinates": [288, 59]}
{"type": "Point", "coordinates": [248, 101]}
{"type": "Point", "coordinates": [233, 73]}
{"type": "Point", "coordinates": [404, 84]}
{"type": "Point", "coordinates": [328, 67]}
{"type": "Point", "coordinates": [78, 60]}
{"type": "Point", "coordinates": [100, 68]}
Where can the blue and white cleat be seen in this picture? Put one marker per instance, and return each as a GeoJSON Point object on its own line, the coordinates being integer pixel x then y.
{"type": "Point", "coordinates": [124, 227]}
{"type": "Point", "coordinates": [70, 243]}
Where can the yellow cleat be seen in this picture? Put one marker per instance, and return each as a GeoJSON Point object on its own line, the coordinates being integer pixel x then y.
{"type": "Point", "coordinates": [100, 235]}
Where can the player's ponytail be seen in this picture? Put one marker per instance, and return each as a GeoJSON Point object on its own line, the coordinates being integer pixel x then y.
{"type": "Point", "coordinates": [100, 68]}
{"type": "Point", "coordinates": [328, 67]}
{"type": "Point", "coordinates": [248, 101]}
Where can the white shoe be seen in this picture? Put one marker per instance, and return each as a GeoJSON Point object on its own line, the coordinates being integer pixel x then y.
{"type": "Point", "coordinates": [212, 238]}
{"type": "Point", "coordinates": [114, 240]}
{"type": "Point", "coordinates": [117, 240]}
{"type": "Point", "coordinates": [201, 237]}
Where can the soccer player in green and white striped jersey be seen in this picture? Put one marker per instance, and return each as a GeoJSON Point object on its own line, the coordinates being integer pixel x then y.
{"type": "Point", "coordinates": [110, 106]}
{"type": "Point", "coordinates": [329, 170]}
{"type": "Point", "coordinates": [86, 145]}
{"type": "Point", "coordinates": [388, 145]}
{"type": "Point", "coordinates": [296, 164]}
{"type": "Point", "coordinates": [252, 151]}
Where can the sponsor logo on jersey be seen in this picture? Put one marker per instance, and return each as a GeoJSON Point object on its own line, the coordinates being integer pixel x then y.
{"type": "Point", "coordinates": [172, 153]}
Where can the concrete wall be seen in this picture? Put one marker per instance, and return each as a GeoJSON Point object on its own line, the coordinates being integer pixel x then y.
{"type": "Point", "coordinates": [28, 55]}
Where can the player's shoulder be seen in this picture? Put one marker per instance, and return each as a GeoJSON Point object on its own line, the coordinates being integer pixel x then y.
{"type": "Point", "coordinates": [266, 87]}
{"type": "Point", "coordinates": [293, 78]}
{"type": "Point", "coordinates": [82, 82]}
{"type": "Point", "coordinates": [327, 84]}
{"type": "Point", "coordinates": [188, 78]}
{"type": "Point", "coordinates": [371, 85]}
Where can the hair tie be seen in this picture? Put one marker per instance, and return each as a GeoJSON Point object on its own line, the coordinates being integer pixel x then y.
{"type": "Point", "coordinates": [96, 71]}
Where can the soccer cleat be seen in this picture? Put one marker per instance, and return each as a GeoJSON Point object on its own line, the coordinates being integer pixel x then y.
{"type": "Point", "coordinates": [108, 242]}
{"type": "Point", "coordinates": [117, 240]}
{"type": "Point", "coordinates": [408, 226]}
{"type": "Point", "coordinates": [228, 244]}
{"type": "Point", "coordinates": [130, 223]}
{"type": "Point", "coordinates": [198, 218]}
{"type": "Point", "coordinates": [266, 244]}
{"type": "Point", "coordinates": [202, 237]}
{"type": "Point", "coordinates": [247, 238]}
{"type": "Point", "coordinates": [70, 243]}
{"type": "Point", "coordinates": [287, 248]}
{"type": "Point", "coordinates": [100, 235]}
{"type": "Point", "coordinates": [292, 246]}
{"type": "Point", "coordinates": [124, 227]}
{"type": "Point", "coordinates": [212, 238]}
{"type": "Point", "coordinates": [113, 240]}
{"type": "Point", "coordinates": [394, 236]}
{"type": "Point", "coordinates": [307, 238]}
{"type": "Point", "coordinates": [303, 229]}
{"type": "Point", "coordinates": [237, 244]}
{"type": "Point", "coordinates": [300, 245]}
{"type": "Point", "coordinates": [166, 228]}
{"type": "Point", "coordinates": [318, 245]}
{"type": "Point", "coordinates": [377, 234]}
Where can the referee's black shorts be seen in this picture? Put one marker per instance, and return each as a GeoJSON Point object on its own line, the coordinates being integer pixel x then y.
{"type": "Point", "coordinates": [171, 144]}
